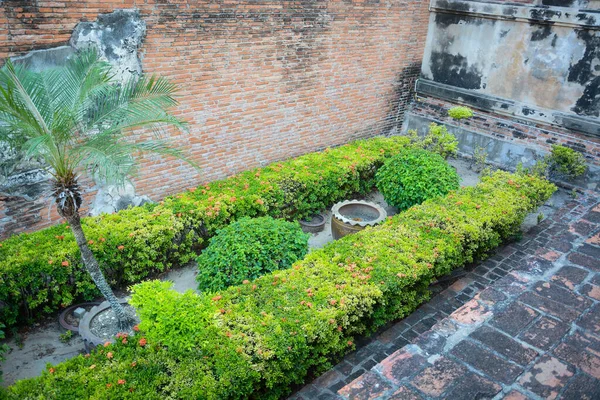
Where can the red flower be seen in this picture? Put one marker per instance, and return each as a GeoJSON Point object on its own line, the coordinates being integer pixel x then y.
{"type": "Point", "coordinates": [143, 342]}
{"type": "Point", "coordinates": [65, 263]}
{"type": "Point", "coordinates": [124, 341]}
{"type": "Point", "coordinates": [260, 201]}
{"type": "Point", "coordinates": [136, 328]}
{"type": "Point", "coordinates": [109, 355]}
{"type": "Point", "coordinates": [350, 343]}
{"type": "Point", "coordinates": [106, 344]}
{"type": "Point", "coordinates": [133, 364]}
{"type": "Point", "coordinates": [90, 242]}
{"type": "Point", "coordinates": [51, 370]}
{"type": "Point", "coordinates": [217, 298]}
{"type": "Point", "coordinates": [121, 247]}
{"type": "Point", "coordinates": [108, 385]}
{"type": "Point", "coordinates": [245, 281]}
{"type": "Point", "coordinates": [121, 381]}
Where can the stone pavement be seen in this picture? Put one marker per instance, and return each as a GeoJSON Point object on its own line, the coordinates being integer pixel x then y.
{"type": "Point", "coordinates": [524, 324]}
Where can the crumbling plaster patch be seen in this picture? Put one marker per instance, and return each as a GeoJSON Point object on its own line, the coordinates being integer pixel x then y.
{"type": "Point", "coordinates": [117, 36]}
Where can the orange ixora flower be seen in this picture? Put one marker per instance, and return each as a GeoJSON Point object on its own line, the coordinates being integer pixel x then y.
{"type": "Point", "coordinates": [65, 263]}
{"type": "Point", "coordinates": [133, 364]}
{"type": "Point", "coordinates": [51, 370]}
{"type": "Point", "coordinates": [136, 328]}
{"type": "Point", "coordinates": [90, 242]}
{"type": "Point", "coordinates": [121, 247]}
{"type": "Point", "coordinates": [260, 201]}
{"type": "Point", "coordinates": [106, 344]}
{"type": "Point", "coordinates": [109, 385]}
{"type": "Point", "coordinates": [109, 355]}
{"type": "Point", "coordinates": [143, 342]}
{"type": "Point", "coordinates": [121, 381]}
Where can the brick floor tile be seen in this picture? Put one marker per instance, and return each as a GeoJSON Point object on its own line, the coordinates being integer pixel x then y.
{"type": "Point", "coordinates": [514, 318]}
{"type": "Point", "coordinates": [592, 216]}
{"type": "Point", "coordinates": [504, 345]}
{"type": "Point", "coordinates": [436, 379]}
{"type": "Point", "coordinates": [592, 291]}
{"type": "Point", "coordinates": [328, 378]}
{"type": "Point", "coordinates": [473, 386]}
{"type": "Point", "coordinates": [470, 313]}
{"type": "Point", "coordinates": [369, 386]}
{"type": "Point", "coordinates": [404, 393]}
{"type": "Point", "coordinates": [545, 333]}
{"type": "Point", "coordinates": [486, 362]}
{"type": "Point", "coordinates": [561, 295]}
{"type": "Point", "coordinates": [582, 228]}
{"type": "Point", "coordinates": [401, 365]}
{"type": "Point", "coordinates": [570, 276]}
{"type": "Point", "coordinates": [593, 239]}
{"type": "Point", "coordinates": [589, 250]}
{"type": "Point", "coordinates": [547, 377]}
{"type": "Point", "coordinates": [584, 260]}
{"type": "Point", "coordinates": [583, 351]}
{"type": "Point", "coordinates": [514, 395]}
{"type": "Point", "coordinates": [582, 387]}
{"type": "Point", "coordinates": [535, 266]}
{"type": "Point", "coordinates": [549, 306]}
{"type": "Point", "coordinates": [591, 320]}
{"type": "Point", "coordinates": [490, 296]}
{"type": "Point", "coordinates": [431, 342]}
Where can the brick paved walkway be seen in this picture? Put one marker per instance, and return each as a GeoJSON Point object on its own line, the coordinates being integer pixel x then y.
{"type": "Point", "coordinates": [525, 324]}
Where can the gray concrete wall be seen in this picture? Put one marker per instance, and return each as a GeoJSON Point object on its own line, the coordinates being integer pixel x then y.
{"type": "Point", "coordinates": [539, 62]}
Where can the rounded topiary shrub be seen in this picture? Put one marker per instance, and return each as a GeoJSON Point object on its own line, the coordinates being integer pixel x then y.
{"type": "Point", "coordinates": [249, 248]}
{"type": "Point", "coordinates": [414, 176]}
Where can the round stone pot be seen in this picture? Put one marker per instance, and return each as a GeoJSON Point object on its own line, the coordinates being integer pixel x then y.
{"type": "Point", "coordinates": [351, 216]}
{"type": "Point", "coordinates": [314, 225]}
{"type": "Point", "coordinates": [64, 317]}
{"type": "Point", "coordinates": [90, 340]}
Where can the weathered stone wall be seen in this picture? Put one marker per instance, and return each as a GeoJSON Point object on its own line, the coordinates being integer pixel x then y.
{"type": "Point", "coordinates": [260, 81]}
{"type": "Point", "coordinates": [530, 68]}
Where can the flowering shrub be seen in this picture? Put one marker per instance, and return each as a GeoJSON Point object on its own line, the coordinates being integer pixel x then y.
{"type": "Point", "coordinates": [257, 339]}
{"type": "Point", "coordinates": [437, 140]}
{"type": "Point", "coordinates": [249, 248]}
{"type": "Point", "coordinates": [414, 176]}
{"type": "Point", "coordinates": [41, 272]}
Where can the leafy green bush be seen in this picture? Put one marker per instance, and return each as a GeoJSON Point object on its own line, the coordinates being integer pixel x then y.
{"type": "Point", "coordinates": [249, 248]}
{"type": "Point", "coordinates": [437, 140]}
{"type": "Point", "coordinates": [565, 162]}
{"type": "Point", "coordinates": [562, 163]}
{"type": "Point", "coordinates": [41, 272]}
{"type": "Point", "coordinates": [257, 339]}
{"type": "Point", "coordinates": [3, 348]}
{"type": "Point", "coordinates": [460, 112]}
{"type": "Point", "coordinates": [414, 176]}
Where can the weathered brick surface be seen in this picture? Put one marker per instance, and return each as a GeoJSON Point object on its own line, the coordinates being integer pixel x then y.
{"type": "Point", "coordinates": [512, 130]}
{"type": "Point", "coordinates": [260, 81]}
{"type": "Point", "coordinates": [535, 333]}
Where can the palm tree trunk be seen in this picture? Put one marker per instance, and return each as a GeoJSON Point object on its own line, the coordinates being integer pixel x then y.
{"type": "Point", "coordinates": [92, 267]}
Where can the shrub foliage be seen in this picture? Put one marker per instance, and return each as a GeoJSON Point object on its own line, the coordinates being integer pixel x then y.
{"type": "Point", "coordinates": [249, 248]}
{"type": "Point", "coordinates": [41, 272]}
{"type": "Point", "coordinates": [255, 340]}
{"type": "Point", "coordinates": [414, 176]}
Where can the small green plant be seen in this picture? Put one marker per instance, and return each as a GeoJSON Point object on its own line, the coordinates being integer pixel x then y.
{"type": "Point", "coordinates": [564, 162]}
{"type": "Point", "coordinates": [248, 249]}
{"type": "Point", "coordinates": [414, 176]}
{"type": "Point", "coordinates": [437, 140]}
{"type": "Point", "coordinates": [561, 163]}
{"type": "Point", "coordinates": [479, 159]}
{"type": "Point", "coordinates": [574, 194]}
{"type": "Point", "coordinates": [460, 112]}
{"type": "Point", "coordinates": [66, 337]}
{"type": "Point", "coordinates": [540, 217]}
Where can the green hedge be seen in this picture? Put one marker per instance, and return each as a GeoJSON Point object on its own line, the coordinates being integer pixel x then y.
{"type": "Point", "coordinates": [42, 272]}
{"type": "Point", "coordinates": [259, 339]}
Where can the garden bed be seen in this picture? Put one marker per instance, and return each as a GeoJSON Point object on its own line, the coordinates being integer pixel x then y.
{"type": "Point", "coordinates": [240, 331]}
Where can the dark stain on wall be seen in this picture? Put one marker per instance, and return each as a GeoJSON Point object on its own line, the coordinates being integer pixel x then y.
{"type": "Point", "coordinates": [589, 102]}
{"type": "Point", "coordinates": [404, 91]}
{"type": "Point", "coordinates": [454, 70]}
{"type": "Point", "coordinates": [541, 33]}
{"type": "Point", "coordinates": [558, 3]}
{"type": "Point", "coordinates": [543, 14]}
{"type": "Point", "coordinates": [587, 18]}
{"type": "Point", "coordinates": [585, 72]}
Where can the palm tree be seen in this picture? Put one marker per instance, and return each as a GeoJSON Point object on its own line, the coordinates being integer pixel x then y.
{"type": "Point", "coordinates": [74, 118]}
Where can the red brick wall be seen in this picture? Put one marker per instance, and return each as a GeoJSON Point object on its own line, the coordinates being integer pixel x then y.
{"type": "Point", "coordinates": [261, 80]}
